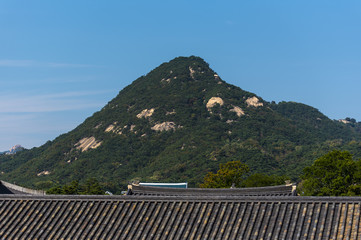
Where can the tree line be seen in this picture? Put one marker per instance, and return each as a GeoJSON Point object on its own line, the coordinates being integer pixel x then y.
{"type": "Point", "coordinates": [333, 174]}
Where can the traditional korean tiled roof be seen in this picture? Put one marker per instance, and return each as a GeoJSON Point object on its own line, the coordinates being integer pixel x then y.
{"type": "Point", "coordinates": [179, 217]}
{"type": "Point", "coordinates": [282, 190]}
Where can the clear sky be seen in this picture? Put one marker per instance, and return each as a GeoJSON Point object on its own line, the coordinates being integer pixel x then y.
{"type": "Point", "coordinates": [61, 61]}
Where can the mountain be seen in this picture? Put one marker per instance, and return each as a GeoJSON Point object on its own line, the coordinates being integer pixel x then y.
{"type": "Point", "coordinates": [14, 149]}
{"type": "Point", "coordinates": [177, 123]}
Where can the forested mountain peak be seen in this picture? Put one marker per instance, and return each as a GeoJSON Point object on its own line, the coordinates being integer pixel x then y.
{"type": "Point", "coordinates": [176, 123]}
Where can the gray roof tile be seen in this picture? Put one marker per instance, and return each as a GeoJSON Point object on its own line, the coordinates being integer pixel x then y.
{"type": "Point", "coordinates": [179, 217]}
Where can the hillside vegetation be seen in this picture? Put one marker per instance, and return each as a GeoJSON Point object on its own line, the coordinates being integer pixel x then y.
{"type": "Point", "coordinates": [177, 123]}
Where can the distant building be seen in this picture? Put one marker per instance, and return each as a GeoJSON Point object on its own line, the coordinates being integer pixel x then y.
{"type": "Point", "coordinates": [167, 185]}
{"type": "Point", "coordinates": [170, 190]}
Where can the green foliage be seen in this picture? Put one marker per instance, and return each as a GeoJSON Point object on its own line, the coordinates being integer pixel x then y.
{"type": "Point", "coordinates": [233, 174]}
{"type": "Point", "coordinates": [229, 174]}
{"type": "Point", "coordinates": [334, 174]}
{"type": "Point", "coordinates": [263, 180]}
{"type": "Point", "coordinates": [91, 187]}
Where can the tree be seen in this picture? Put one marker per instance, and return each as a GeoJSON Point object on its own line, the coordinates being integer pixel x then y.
{"type": "Point", "coordinates": [91, 187]}
{"type": "Point", "coordinates": [71, 189]}
{"type": "Point", "coordinates": [229, 174]}
{"type": "Point", "coordinates": [334, 174]}
{"type": "Point", "coordinates": [262, 180]}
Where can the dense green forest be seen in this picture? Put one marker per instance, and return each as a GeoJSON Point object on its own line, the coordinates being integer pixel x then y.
{"type": "Point", "coordinates": [336, 173]}
{"type": "Point", "coordinates": [176, 124]}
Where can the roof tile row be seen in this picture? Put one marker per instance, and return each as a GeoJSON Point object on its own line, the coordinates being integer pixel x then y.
{"type": "Point", "coordinates": [187, 217]}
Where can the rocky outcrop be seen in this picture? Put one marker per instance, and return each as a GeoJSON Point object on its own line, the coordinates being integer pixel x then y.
{"type": "Point", "coordinates": [118, 129]}
{"type": "Point", "coordinates": [111, 127]}
{"type": "Point", "coordinates": [43, 173]}
{"type": "Point", "coordinates": [254, 102]}
{"type": "Point", "coordinates": [14, 149]}
{"type": "Point", "coordinates": [213, 101]}
{"type": "Point", "coordinates": [146, 113]}
{"type": "Point", "coordinates": [168, 80]}
{"type": "Point", "coordinates": [344, 121]}
{"type": "Point", "coordinates": [171, 113]}
{"type": "Point", "coordinates": [191, 72]}
{"type": "Point", "coordinates": [238, 111]}
{"type": "Point", "coordinates": [87, 143]}
{"type": "Point", "coordinates": [164, 126]}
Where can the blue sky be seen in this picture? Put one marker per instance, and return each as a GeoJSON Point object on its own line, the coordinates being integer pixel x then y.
{"type": "Point", "coordinates": [60, 61]}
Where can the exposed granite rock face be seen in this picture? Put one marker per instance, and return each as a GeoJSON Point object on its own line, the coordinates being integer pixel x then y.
{"type": "Point", "coordinates": [114, 128]}
{"type": "Point", "coordinates": [238, 111]}
{"type": "Point", "coordinates": [43, 173]}
{"type": "Point", "coordinates": [14, 149]}
{"type": "Point", "coordinates": [164, 126]}
{"type": "Point", "coordinates": [191, 72]}
{"type": "Point", "coordinates": [213, 101]}
{"type": "Point", "coordinates": [110, 128]}
{"type": "Point", "coordinates": [254, 101]}
{"type": "Point", "coordinates": [146, 113]}
{"type": "Point", "coordinates": [88, 143]}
